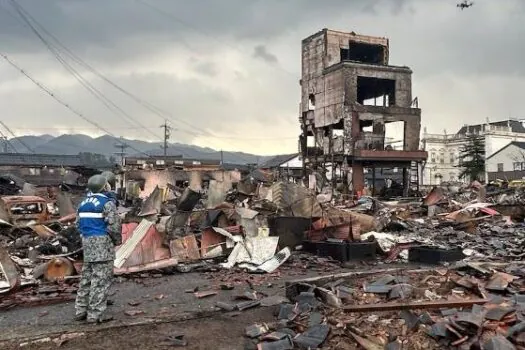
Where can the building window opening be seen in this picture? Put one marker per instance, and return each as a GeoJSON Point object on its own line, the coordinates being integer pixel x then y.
{"type": "Point", "coordinates": [26, 208]}
{"type": "Point", "coordinates": [394, 137]}
{"type": "Point", "coordinates": [366, 125]}
{"type": "Point", "coordinates": [345, 54]}
{"type": "Point", "coordinates": [311, 102]}
{"type": "Point", "coordinates": [366, 53]}
{"type": "Point", "coordinates": [500, 166]}
{"type": "Point", "coordinates": [376, 92]}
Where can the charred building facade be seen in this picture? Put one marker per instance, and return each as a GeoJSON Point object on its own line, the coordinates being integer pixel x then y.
{"type": "Point", "coordinates": [350, 97]}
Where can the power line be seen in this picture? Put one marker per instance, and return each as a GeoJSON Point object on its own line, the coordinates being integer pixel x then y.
{"type": "Point", "coordinates": [54, 96]}
{"type": "Point", "coordinates": [17, 138]}
{"type": "Point", "coordinates": [54, 49]}
{"type": "Point", "coordinates": [152, 108]}
{"type": "Point", "coordinates": [26, 17]}
{"type": "Point", "coordinates": [110, 105]}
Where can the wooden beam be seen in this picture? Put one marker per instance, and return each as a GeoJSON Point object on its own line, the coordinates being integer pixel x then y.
{"type": "Point", "coordinates": [413, 305]}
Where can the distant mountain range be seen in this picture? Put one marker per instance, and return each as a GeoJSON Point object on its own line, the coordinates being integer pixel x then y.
{"type": "Point", "coordinates": [76, 143]}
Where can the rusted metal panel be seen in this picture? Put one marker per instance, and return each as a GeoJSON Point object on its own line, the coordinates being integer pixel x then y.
{"type": "Point", "coordinates": [210, 240]}
{"type": "Point", "coordinates": [185, 248]}
{"type": "Point", "coordinates": [146, 250]}
{"type": "Point", "coordinates": [364, 154]}
{"type": "Point", "coordinates": [341, 231]}
{"type": "Point", "coordinates": [434, 197]}
{"type": "Point", "coordinates": [39, 212]}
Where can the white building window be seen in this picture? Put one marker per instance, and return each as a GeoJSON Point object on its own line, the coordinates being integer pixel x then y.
{"type": "Point", "coordinates": [141, 162]}
{"type": "Point", "coordinates": [160, 162]}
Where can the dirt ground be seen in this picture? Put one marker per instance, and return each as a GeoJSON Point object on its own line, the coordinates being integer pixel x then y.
{"type": "Point", "coordinates": [221, 332]}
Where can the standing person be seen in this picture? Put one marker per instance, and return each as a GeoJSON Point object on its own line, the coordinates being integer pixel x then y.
{"type": "Point", "coordinates": [100, 228]}
{"type": "Point", "coordinates": [112, 181]}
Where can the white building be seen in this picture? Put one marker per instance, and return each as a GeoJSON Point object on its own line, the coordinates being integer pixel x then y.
{"type": "Point", "coordinates": [508, 163]}
{"type": "Point", "coordinates": [443, 149]}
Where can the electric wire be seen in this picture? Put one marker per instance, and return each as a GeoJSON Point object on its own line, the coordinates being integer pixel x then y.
{"type": "Point", "coordinates": [110, 105]}
{"type": "Point", "coordinates": [17, 138]}
{"type": "Point", "coordinates": [63, 103]}
{"type": "Point", "coordinates": [55, 49]}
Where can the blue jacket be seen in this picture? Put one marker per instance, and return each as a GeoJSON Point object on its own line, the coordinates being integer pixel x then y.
{"type": "Point", "coordinates": [91, 221]}
{"type": "Point", "coordinates": [112, 196]}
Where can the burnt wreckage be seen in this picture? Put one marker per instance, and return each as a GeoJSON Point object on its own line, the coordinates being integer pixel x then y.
{"type": "Point", "coordinates": [351, 97]}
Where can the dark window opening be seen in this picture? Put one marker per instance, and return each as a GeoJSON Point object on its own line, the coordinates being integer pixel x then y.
{"type": "Point", "coordinates": [366, 53]}
{"type": "Point", "coordinates": [345, 54]}
{"type": "Point", "coordinates": [366, 125]}
{"type": "Point", "coordinates": [500, 166]}
{"type": "Point", "coordinates": [311, 102]}
{"type": "Point", "coordinates": [376, 92]}
{"type": "Point", "coordinates": [26, 208]}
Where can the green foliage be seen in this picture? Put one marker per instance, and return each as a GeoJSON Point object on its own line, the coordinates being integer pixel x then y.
{"type": "Point", "coordinates": [472, 159]}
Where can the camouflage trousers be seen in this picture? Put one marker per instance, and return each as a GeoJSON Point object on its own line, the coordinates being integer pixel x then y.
{"type": "Point", "coordinates": [93, 289]}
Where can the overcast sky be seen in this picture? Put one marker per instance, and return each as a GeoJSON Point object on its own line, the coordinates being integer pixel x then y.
{"type": "Point", "coordinates": [227, 71]}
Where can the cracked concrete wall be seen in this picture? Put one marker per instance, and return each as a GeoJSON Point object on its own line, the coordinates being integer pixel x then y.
{"type": "Point", "coordinates": [336, 40]}
{"type": "Point", "coordinates": [334, 86]}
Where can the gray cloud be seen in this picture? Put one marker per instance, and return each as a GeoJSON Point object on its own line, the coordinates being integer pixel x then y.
{"type": "Point", "coordinates": [261, 52]}
{"type": "Point", "coordinates": [206, 68]}
{"type": "Point", "coordinates": [212, 63]}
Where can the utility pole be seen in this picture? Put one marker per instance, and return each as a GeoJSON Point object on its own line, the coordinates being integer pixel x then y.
{"type": "Point", "coordinates": [167, 130]}
{"type": "Point", "coordinates": [122, 146]}
{"type": "Point", "coordinates": [222, 158]}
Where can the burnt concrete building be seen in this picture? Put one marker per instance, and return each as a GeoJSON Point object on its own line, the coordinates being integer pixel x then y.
{"type": "Point", "coordinates": [350, 98]}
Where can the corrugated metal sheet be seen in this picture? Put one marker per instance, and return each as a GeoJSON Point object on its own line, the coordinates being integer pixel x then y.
{"type": "Point", "coordinates": [295, 200]}
{"type": "Point", "coordinates": [126, 249]}
{"type": "Point", "coordinates": [147, 251]}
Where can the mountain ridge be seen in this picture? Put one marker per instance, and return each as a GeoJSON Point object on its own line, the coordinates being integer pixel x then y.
{"type": "Point", "coordinates": [72, 144]}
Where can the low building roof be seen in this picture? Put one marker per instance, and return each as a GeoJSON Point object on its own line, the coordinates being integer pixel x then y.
{"type": "Point", "coordinates": [39, 160]}
{"type": "Point", "coordinates": [278, 160]}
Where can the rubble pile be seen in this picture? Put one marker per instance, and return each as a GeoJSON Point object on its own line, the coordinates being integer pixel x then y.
{"type": "Point", "coordinates": [258, 232]}
{"type": "Point", "coordinates": [471, 306]}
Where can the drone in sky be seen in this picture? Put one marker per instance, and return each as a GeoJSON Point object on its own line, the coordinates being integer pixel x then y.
{"type": "Point", "coordinates": [465, 4]}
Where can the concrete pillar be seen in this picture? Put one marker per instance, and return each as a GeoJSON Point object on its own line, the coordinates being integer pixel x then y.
{"type": "Point", "coordinates": [358, 177]}
{"type": "Point", "coordinates": [406, 182]}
